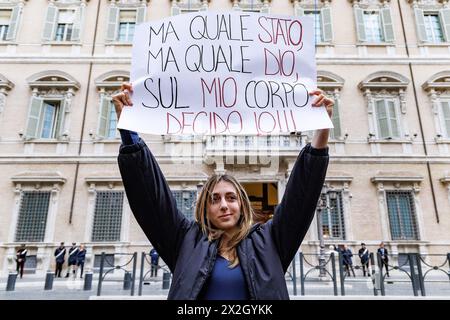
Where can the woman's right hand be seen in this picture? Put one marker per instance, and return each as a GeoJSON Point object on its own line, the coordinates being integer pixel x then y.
{"type": "Point", "coordinates": [122, 98]}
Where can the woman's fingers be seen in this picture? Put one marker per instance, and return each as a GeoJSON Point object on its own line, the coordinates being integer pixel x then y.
{"type": "Point", "coordinates": [319, 101]}
{"type": "Point", "coordinates": [122, 98]}
{"type": "Point", "coordinates": [127, 98]}
{"type": "Point", "coordinates": [126, 86]}
{"type": "Point", "coordinates": [322, 99]}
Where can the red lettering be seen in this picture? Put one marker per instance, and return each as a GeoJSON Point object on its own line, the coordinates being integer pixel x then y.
{"type": "Point", "coordinates": [168, 123]}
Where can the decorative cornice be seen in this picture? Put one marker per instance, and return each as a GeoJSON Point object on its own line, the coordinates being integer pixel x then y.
{"type": "Point", "coordinates": [5, 84]}
{"type": "Point", "coordinates": [394, 179]}
{"type": "Point", "coordinates": [329, 80]}
{"type": "Point", "coordinates": [102, 179]}
{"type": "Point", "coordinates": [384, 80]}
{"type": "Point", "coordinates": [338, 179]}
{"type": "Point", "coordinates": [38, 177]}
{"type": "Point", "coordinates": [52, 79]}
{"type": "Point", "coordinates": [103, 81]}
{"type": "Point", "coordinates": [439, 81]}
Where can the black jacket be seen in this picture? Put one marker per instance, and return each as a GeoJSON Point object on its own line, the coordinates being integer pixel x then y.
{"type": "Point", "coordinates": [264, 255]}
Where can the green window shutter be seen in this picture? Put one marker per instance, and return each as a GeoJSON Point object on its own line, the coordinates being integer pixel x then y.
{"type": "Point", "coordinates": [388, 26]}
{"type": "Point", "coordinates": [34, 117]}
{"type": "Point", "coordinates": [265, 8]}
{"type": "Point", "coordinates": [50, 23]}
{"type": "Point", "coordinates": [61, 118]}
{"type": "Point", "coordinates": [102, 128]}
{"type": "Point", "coordinates": [299, 11]}
{"type": "Point", "coordinates": [78, 23]}
{"type": "Point", "coordinates": [382, 119]}
{"type": "Point", "coordinates": [360, 28]}
{"type": "Point", "coordinates": [113, 24]}
{"type": "Point", "coordinates": [204, 6]}
{"type": "Point", "coordinates": [393, 119]}
{"type": "Point", "coordinates": [444, 15]}
{"type": "Point", "coordinates": [327, 25]}
{"type": "Point", "coordinates": [420, 25]}
{"type": "Point", "coordinates": [175, 10]}
{"type": "Point", "coordinates": [141, 15]}
{"type": "Point", "coordinates": [13, 23]}
{"type": "Point", "coordinates": [336, 121]}
{"type": "Point", "coordinates": [446, 115]}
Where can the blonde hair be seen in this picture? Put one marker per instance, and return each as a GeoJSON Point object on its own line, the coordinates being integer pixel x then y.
{"type": "Point", "coordinates": [245, 220]}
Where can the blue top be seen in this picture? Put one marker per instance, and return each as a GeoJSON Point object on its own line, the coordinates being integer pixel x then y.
{"type": "Point", "coordinates": [225, 283]}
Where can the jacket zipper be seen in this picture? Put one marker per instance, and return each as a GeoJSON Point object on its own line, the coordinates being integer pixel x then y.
{"type": "Point", "coordinates": [208, 271]}
{"type": "Point", "coordinates": [248, 276]}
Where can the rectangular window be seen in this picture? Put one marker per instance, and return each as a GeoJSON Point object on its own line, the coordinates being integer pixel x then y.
{"type": "Point", "coordinates": [445, 108]}
{"type": "Point", "coordinates": [372, 26]}
{"type": "Point", "coordinates": [5, 16]}
{"type": "Point", "coordinates": [127, 23]}
{"type": "Point", "coordinates": [30, 264]}
{"type": "Point", "coordinates": [317, 24]}
{"type": "Point", "coordinates": [333, 217]}
{"type": "Point", "coordinates": [402, 215]}
{"type": "Point", "coordinates": [433, 27]}
{"type": "Point", "coordinates": [108, 262]}
{"type": "Point", "coordinates": [251, 6]}
{"type": "Point", "coordinates": [107, 216]}
{"type": "Point", "coordinates": [64, 26]}
{"type": "Point", "coordinates": [387, 119]}
{"type": "Point", "coordinates": [185, 202]}
{"type": "Point", "coordinates": [33, 213]}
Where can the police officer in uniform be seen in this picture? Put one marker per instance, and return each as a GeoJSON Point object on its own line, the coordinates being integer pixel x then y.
{"type": "Point", "coordinates": [60, 254]}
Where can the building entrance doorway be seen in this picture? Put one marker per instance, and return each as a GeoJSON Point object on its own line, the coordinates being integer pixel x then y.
{"type": "Point", "coordinates": [264, 198]}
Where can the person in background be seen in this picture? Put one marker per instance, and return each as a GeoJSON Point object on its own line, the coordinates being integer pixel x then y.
{"type": "Point", "coordinates": [154, 257]}
{"type": "Point", "coordinates": [81, 256]}
{"type": "Point", "coordinates": [364, 255]}
{"type": "Point", "coordinates": [347, 260]}
{"type": "Point", "coordinates": [60, 254]}
{"type": "Point", "coordinates": [384, 255]}
{"type": "Point", "coordinates": [72, 260]}
{"type": "Point", "coordinates": [21, 257]}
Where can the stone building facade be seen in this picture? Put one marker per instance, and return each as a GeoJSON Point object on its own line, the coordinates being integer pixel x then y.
{"type": "Point", "coordinates": [386, 63]}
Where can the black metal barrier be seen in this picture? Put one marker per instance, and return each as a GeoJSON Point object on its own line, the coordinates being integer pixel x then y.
{"type": "Point", "coordinates": [106, 270]}
{"type": "Point", "coordinates": [11, 282]}
{"type": "Point", "coordinates": [317, 274]}
{"type": "Point", "coordinates": [145, 273]}
{"type": "Point", "coordinates": [410, 276]}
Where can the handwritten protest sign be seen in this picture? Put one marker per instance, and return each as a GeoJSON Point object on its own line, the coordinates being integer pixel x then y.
{"type": "Point", "coordinates": [224, 73]}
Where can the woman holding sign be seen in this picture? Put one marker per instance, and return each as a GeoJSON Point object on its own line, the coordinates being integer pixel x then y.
{"type": "Point", "coordinates": [222, 254]}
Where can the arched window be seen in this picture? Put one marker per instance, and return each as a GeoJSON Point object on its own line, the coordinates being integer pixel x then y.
{"type": "Point", "coordinates": [385, 93]}
{"type": "Point", "coordinates": [108, 84]}
{"type": "Point", "coordinates": [332, 84]}
{"type": "Point", "coordinates": [50, 103]}
{"type": "Point", "coordinates": [438, 88]}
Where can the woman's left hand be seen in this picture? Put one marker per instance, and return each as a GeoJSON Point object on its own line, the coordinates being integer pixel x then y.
{"type": "Point", "coordinates": [322, 99]}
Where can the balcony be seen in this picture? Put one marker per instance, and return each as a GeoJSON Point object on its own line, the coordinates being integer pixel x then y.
{"type": "Point", "coordinates": [283, 145]}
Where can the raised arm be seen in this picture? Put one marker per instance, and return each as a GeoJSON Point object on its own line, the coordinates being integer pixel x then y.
{"type": "Point", "coordinates": [148, 193]}
{"type": "Point", "coordinates": [296, 210]}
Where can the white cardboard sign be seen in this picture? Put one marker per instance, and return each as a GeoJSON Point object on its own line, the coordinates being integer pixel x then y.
{"type": "Point", "coordinates": [224, 73]}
